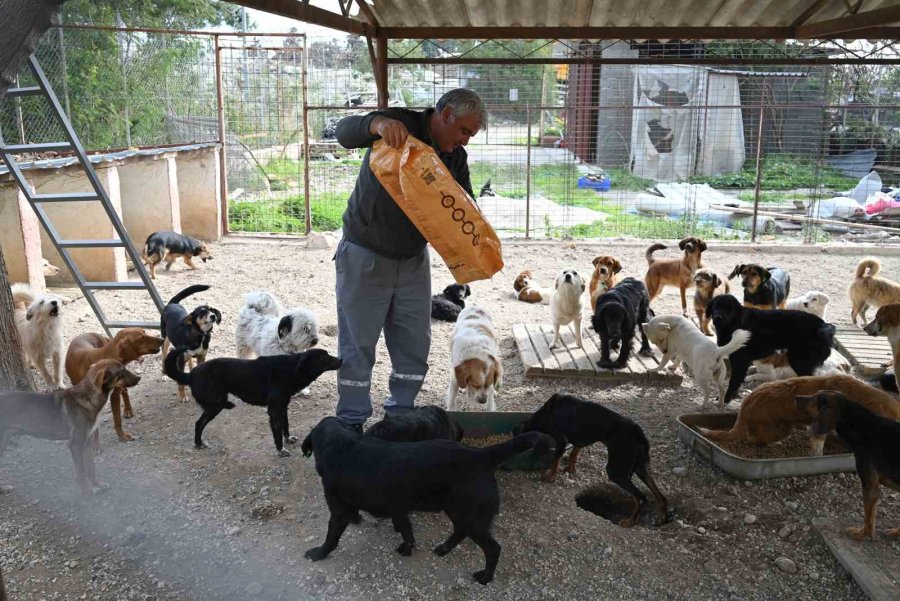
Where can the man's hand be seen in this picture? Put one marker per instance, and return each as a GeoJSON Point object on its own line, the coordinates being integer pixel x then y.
{"type": "Point", "coordinates": [393, 132]}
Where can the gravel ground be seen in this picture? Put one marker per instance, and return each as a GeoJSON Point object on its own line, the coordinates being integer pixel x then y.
{"type": "Point", "coordinates": [233, 521]}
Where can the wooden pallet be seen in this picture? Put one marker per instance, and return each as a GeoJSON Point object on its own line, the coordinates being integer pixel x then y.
{"type": "Point", "coordinates": [873, 565]}
{"type": "Point", "coordinates": [870, 355]}
{"type": "Point", "coordinates": [570, 361]}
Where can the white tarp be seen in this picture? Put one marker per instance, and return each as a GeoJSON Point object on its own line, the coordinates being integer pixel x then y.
{"type": "Point", "coordinates": [671, 123]}
{"type": "Point", "coordinates": [722, 130]}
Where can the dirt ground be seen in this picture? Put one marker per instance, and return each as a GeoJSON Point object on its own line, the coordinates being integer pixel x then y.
{"type": "Point", "coordinates": [233, 521]}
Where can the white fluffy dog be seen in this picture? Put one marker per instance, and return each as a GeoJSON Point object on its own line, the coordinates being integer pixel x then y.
{"type": "Point", "coordinates": [474, 359]}
{"type": "Point", "coordinates": [265, 328]}
{"type": "Point", "coordinates": [776, 367]}
{"type": "Point", "coordinates": [41, 330]}
{"type": "Point", "coordinates": [567, 304]}
{"type": "Point", "coordinates": [813, 302]}
{"type": "Point", "coordinates": [677, 336]}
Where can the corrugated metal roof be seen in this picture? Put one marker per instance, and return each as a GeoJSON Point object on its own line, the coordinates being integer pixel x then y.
{"type": "Point", "coordinates": [608, 13]}
{"type": "Point", "coordinates": [108, 157]}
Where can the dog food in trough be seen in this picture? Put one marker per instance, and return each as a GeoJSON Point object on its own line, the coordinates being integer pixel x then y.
{"type": "Point", "coordinates": [487, 441]}
{"type": "Point", "coordinates": [484, 428]}
{"type": "Point", "coordinates": [795, 445]}
{"type": "Point", "coordinates": [778, 466]}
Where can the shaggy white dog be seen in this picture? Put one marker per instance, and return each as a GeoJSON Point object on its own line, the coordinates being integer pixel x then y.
{"type": "Point", "coordinates": [41, 331]}
{"type": "Point", "coordinates": [813, 302]}
{"type": "Point", "coordinates": [567, 304]}
{"type": "Point", "coordinates": [474, 359]}
{"type": "Point", "coordinates": [677, 336]}
{"type": "Point", "coordinates": [265, 328]}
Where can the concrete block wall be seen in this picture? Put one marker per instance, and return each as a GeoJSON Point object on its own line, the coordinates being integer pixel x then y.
{"type": "Point", "coordinates": [20, 232]}
{"type": "Point", "coordinates": [176, 191]}
{"type": "Point", "coordinates": [82, 220]}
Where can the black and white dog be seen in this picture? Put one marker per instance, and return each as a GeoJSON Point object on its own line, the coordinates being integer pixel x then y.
{"type": "Point", "coordinates": [447, 305]}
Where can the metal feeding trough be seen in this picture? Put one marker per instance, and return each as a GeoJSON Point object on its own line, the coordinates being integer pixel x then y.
{"type": "Point", "coordinates": [752, 469]}
{"type": "Point", "coordinates": [481, 424]}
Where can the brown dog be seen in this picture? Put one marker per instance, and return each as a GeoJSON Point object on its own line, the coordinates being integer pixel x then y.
{"type": "Point", "coordinates": [707, 284]}
{"type": "Point", "coordinates": [71, 414]}
{"type": "Point", "coordinates": [887, 323]}
{"type": "Point", "coordinates": [529, 292]}
{"type": "Point", "coordinates": [874, 441]}
{"type": "Point", "coordinates": [770, 413]}
{"type": "Point", "coordinates": [870, 289]}
{"type": "Point", "coordinates": [674, 272]}
{"type": "Point", "coordinates": [604, 277]}
{"type": "Point", "coordinates": [126, 346]}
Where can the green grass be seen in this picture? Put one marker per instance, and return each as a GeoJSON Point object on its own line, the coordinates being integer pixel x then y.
{"type": "Point", "coordinates": [782, 172]}
{"type": "Point", "coordinates": [288, 215]}
{"type": "Point", "coordinates": [776, 196]}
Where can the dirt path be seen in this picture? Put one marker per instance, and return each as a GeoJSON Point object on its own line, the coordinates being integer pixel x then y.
{"type": "Point", "coordinates": [234, 521]}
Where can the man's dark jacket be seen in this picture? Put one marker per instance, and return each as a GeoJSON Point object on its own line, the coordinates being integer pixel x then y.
{"type": "Point", "coordinates": [372, 218]}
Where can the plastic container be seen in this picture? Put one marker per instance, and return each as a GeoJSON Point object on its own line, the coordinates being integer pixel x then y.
{"type": "Point", "coordinates": [480, 424]}
{"type": "Point", "coordinates": [602, 184]}
{"type": "Point", "coordinates": [752, 469]}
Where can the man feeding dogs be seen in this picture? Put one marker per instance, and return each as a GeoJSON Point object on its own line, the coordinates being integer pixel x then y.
{"type": "Point", "coordinates": [383, 268]}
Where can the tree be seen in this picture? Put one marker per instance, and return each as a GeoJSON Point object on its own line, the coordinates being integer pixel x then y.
{"type": "Point", "coordinates": [23, 23]}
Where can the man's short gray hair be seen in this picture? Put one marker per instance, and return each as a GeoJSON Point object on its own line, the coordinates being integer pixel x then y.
{"type": "Point", "coordinates": [464, 102]}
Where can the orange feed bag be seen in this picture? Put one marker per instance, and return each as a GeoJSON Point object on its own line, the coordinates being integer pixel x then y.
{"type": "Point", "coordinates": [440, 208]}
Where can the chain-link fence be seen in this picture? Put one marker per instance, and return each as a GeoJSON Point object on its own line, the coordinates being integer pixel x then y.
{"type": "Point", "coordinates": [604, 139]}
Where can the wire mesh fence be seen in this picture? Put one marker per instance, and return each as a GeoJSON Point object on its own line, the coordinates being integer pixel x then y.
{"type": "Point", "coordinates": [607, 139]}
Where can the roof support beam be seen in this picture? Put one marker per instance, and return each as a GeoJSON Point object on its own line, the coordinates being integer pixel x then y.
{"type": "Point", "coordinates": [307, 13]}
{"type": "Point", "coordinates": [808, 13]}
{"type": "Point", "coordinates": [850, 23]}
{"type": "Point", "coordinates": [589, 33]}
{"type": "Point", "coordinates": [652, 60]}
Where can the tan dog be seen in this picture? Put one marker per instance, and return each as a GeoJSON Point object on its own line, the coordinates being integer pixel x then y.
{"type": "Point", "coordinates": [71, 414]}
{"type": "Point", "coordinates": [603, 278]}
{"type": "Point", "coordinates": [674, 272]}
{"type": "Point", "coordinates": [707, 284]}
{"type": "Point", "coordinates": [870, 289]}
{"type": "Point", "coordinates": [529, 292]}
{"type": "Point", "coordinates": [887, 323]}
{"type": "Point", "coordinates": [126, 346]}
{"type": "Point", "coordinates": [475, 361]}
{"type": "Point", "coordinates": [770, 413]}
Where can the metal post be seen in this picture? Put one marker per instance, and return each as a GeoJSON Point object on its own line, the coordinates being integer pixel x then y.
{"type": "Point", "coordinates": [220, 117]}
{"type": "Point", "coordinates": [381, 70]}
{"type": "Point", "coordinates": [306, 139]}
{"type": "Point", "coordinates": [759, 145]}
{"type": "Point", "coordinates": [528, 174]}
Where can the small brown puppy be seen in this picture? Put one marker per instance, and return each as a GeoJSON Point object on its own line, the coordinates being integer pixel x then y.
{"type": "Point", "coordinates": [887, 323]}
{"type": "Point", "coordinates": [674, 272]}
{"type": "Point", "coordinates": [71, 414]}
{"type": "Point", "coordinates": [529, 292]}
{"type": "Point", "coordinates": [604, 277]}
{"type": "Point", "coordinates": [770, 414]}
{"type": "Point", "coordinates": [870, 289]}
{"type": "Point", "coordinates": [707, 284]}
{"type": "Point", "coordinates": [126, 346]}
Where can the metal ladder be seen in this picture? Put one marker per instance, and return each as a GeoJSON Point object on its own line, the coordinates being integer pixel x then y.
{"type": "Point", "coordinates": [99, 194]}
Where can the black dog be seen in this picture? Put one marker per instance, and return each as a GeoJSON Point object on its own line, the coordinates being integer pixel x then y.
{"type": "Point", "coordinates": [390, 479]}
{"type": "Point", "coordinates": [764, 288]}
{"type": "Point", "coordinates": [623, 308]}
{"type": "Point", "coordinates": [805, 337]}
{"type": "Point", "coordinates": [572, 419]}
{"type": "Point", "coordinates": [447, 305]}
{"type": "Point", "coordinates": [191, 331]}
{"type": "Point", "coordinates": [874, 440]}
{"type": "Point", "coordinates": [416, 424]}
{"type": "Point", "coordinates": [167, 246]}
{"type": "Point", "coordinates": [266, 381]}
